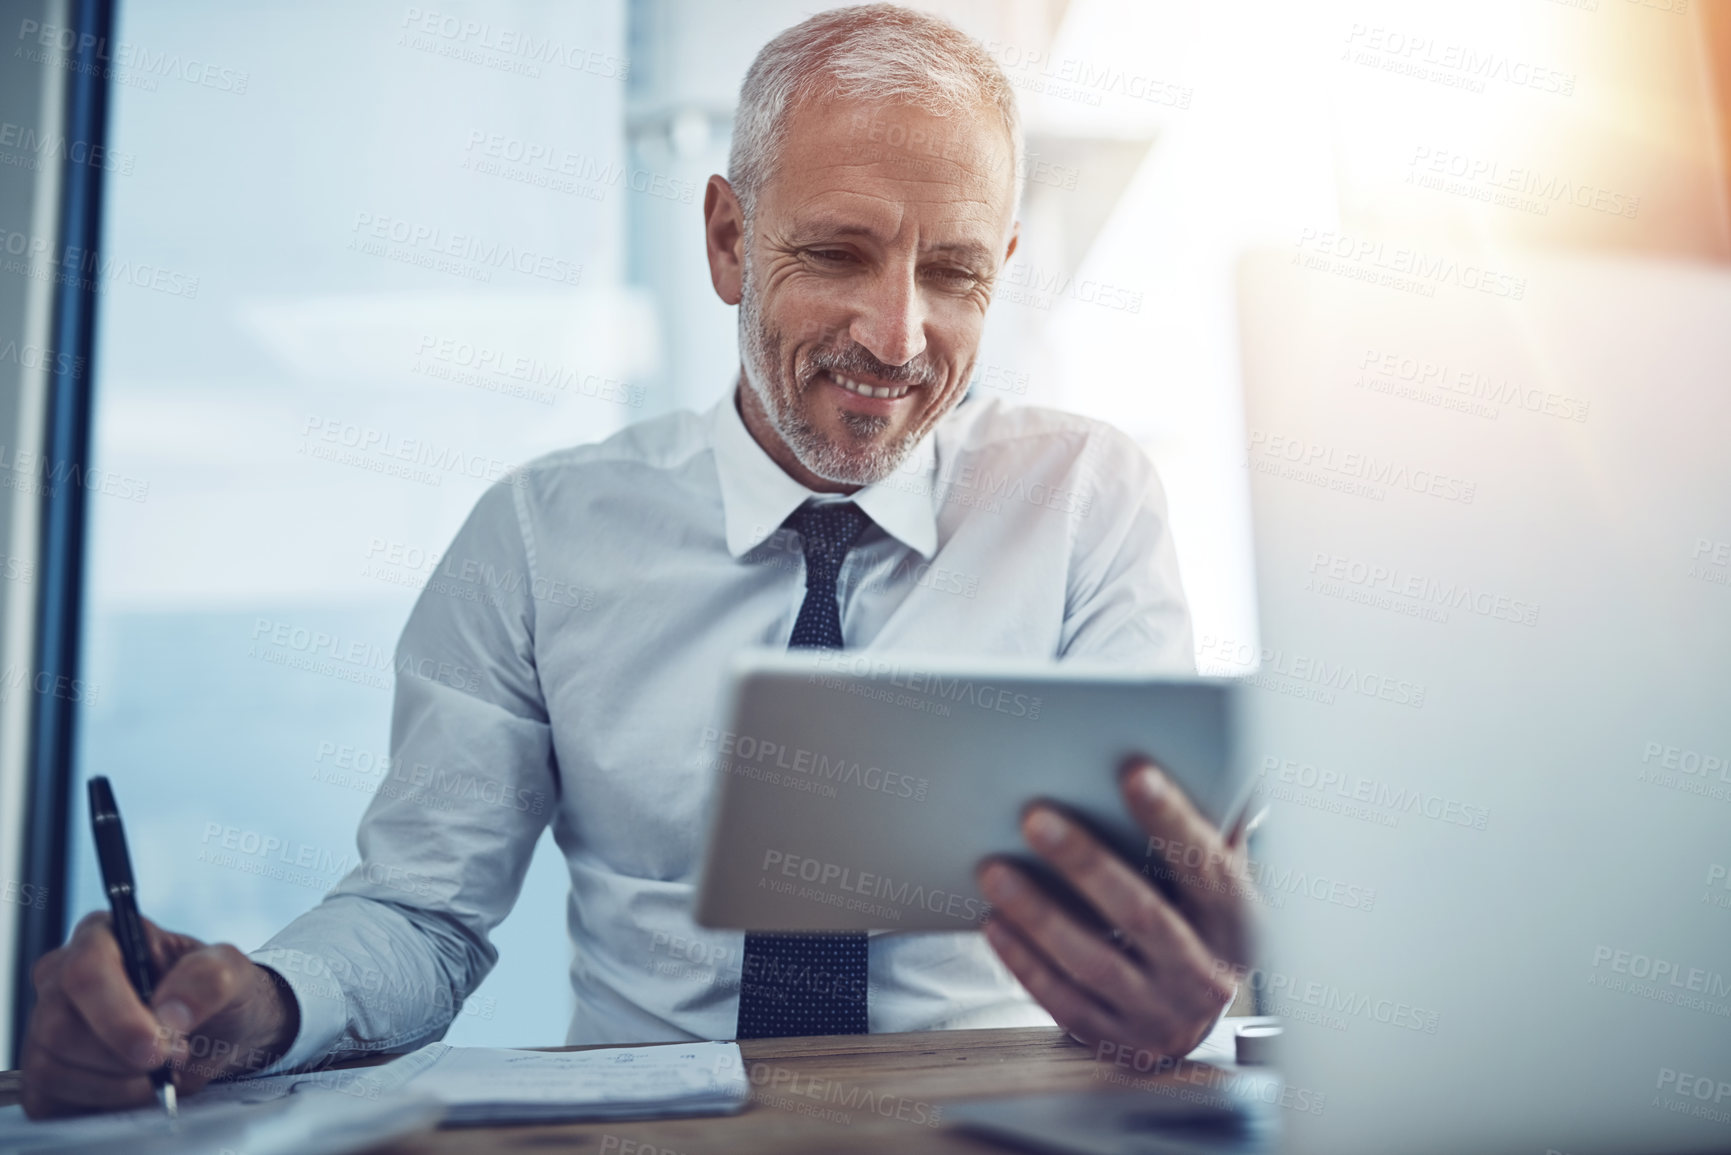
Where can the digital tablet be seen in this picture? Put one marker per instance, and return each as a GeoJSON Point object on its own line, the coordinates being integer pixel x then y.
{"type": "Point", "coordinates": [859, 791]}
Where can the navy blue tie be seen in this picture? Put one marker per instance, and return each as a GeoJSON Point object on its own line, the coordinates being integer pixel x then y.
{"type": "Point", "coordinates": [810, 984]}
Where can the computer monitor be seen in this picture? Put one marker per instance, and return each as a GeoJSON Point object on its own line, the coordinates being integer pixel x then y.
{"type": "Point", "coordinates": [1491, 703]}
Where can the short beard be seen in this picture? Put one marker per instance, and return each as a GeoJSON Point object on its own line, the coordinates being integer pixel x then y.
{"type": "Point", "coordinates": [760, 350]}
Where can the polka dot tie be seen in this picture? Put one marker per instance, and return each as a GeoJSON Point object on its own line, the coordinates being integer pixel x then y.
{"type": "Point", "coordinates": [810, 984]}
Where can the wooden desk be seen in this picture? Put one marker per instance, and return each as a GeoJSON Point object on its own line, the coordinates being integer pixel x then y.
{"type": "Point", "coordinates": [841, 1094]}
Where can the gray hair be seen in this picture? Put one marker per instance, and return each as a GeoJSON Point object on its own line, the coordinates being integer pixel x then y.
{"type": "Point", "coordinates": [876, 52]}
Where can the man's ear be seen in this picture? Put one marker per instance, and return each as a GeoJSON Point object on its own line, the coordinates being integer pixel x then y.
{"type": "Point", "coordinates": [724, 236]}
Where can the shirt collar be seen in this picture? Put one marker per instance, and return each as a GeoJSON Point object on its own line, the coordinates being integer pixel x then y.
{"type": "Point", "coordinates": [757, 495]}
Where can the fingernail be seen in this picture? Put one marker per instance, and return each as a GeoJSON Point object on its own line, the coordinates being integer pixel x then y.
{"type": "Point", "coordinates": [1151, 783]}
{"type": "Point", "coordinates": [999, 882]}
{"type": "Point", "coordinates": [175, 1015]}
{"type": "Point", "coordinates": [1045, 829]}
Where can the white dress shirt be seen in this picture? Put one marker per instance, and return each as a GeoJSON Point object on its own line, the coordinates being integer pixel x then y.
{"type": "Point", "coordinates": [568, 655]}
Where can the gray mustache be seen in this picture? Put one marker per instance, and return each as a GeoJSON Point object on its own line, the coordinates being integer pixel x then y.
{"type": "Point", "coordinates": [862, 364]}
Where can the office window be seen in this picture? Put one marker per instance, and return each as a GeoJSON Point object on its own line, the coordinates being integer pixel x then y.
{"type": "Point", "coordinates": [375, 262]}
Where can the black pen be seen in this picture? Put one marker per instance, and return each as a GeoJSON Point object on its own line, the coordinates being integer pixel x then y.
{"type": "Point", "coordinates": [128, 927]}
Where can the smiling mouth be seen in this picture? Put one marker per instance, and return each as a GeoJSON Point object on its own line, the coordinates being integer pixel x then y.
{"type": "Point", "coordinates": [860, 388]}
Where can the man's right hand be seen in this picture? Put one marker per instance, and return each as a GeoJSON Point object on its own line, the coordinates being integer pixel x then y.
{"type": "Point", "coordinates": [92, 1044]}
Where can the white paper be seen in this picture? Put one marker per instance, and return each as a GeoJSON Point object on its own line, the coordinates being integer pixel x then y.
{"type": "Point", "coordinates": [480, 1074]}
{"type": "Point", "coordinates": [355, 1082]}
{"type": "Point", "coordinates": [473, 1085]}
{"type": "Point", "coordinates": [485, 1084]}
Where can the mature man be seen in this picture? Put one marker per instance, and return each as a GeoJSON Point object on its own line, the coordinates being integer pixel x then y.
{"type": "Point", "coordinates": [868, 210]}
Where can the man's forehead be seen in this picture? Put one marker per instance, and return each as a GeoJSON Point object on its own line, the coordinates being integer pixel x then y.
{"type": "Point", "coordinates": [837, 157]}
{"type": "Point", "coordinates": [974, 141]}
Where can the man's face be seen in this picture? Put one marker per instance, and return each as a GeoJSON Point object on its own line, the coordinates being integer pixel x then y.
{"type": "Point", "coordinates": [866, 276]}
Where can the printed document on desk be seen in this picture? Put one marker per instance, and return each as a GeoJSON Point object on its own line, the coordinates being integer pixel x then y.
{"type": "Point", "coordinates": [489, 1085]}
{"type": "Point", "coordinates": [343, 1110]}
{"type": "Point", "coordinates": [484, 1085]}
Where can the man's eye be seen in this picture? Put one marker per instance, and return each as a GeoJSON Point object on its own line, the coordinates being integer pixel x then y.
{"type": "Point", "coordinates": [830, 256]}
{"type": "Point", "coordinates": [954, 275]}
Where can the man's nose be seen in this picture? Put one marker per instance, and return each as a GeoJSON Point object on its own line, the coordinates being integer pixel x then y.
{"type": "Point", "coordinates": [891, 323]}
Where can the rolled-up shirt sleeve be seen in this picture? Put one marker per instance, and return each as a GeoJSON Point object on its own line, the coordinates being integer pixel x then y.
{"type": "Point", "coordinates": [1126, 600]}
{"type": "Point", "coordinates": [384, 963]}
